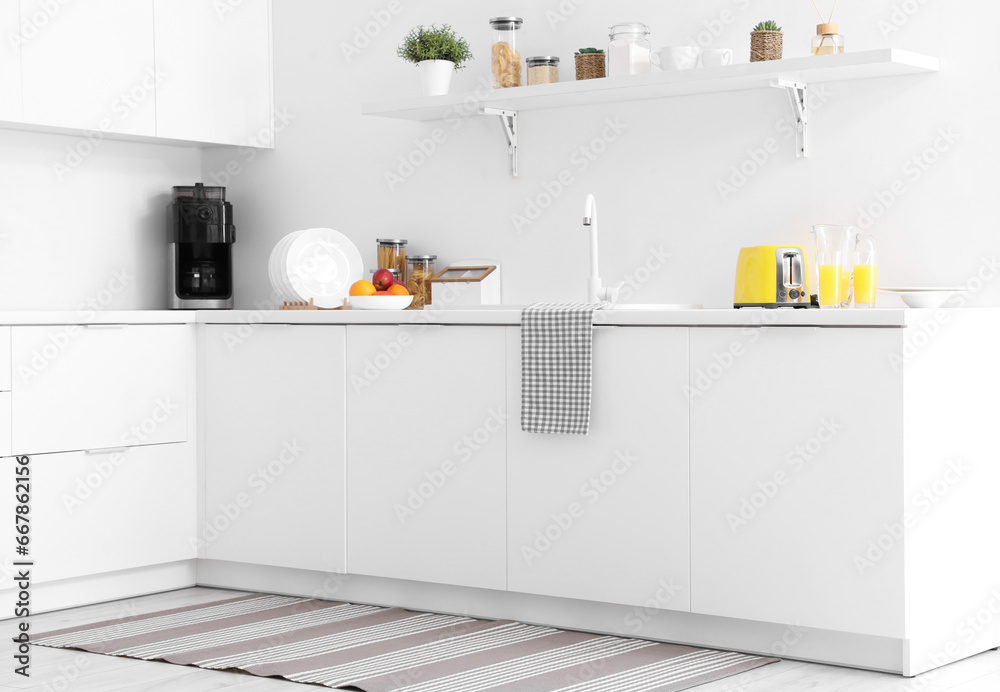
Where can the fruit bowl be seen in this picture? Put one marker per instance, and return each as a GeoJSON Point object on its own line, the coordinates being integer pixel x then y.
{"type": "Point", "coordinates": [381, 302]}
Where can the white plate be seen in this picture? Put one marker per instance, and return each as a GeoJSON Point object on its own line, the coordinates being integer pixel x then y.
{"type": "Point", "coordinates": [321, 264]}
{"type": "Point", "coordinates": [381, 302]}
{"type": "Point", "coordinates": [279, 280]}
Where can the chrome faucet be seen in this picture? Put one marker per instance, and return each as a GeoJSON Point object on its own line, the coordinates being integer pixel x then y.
{"type": "Point", "coordinates": [595, 292]}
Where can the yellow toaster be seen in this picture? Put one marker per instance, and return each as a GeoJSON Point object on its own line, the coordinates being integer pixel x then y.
{"type": "Point", "coordinates": [772, 276]}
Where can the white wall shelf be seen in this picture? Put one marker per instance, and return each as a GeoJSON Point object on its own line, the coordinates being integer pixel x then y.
{"type": "Point", "coordinates": [794, 75]}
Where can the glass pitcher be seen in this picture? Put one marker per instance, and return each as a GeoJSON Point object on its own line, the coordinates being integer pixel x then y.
{"type": "Point", "coordinates": [837, 241]}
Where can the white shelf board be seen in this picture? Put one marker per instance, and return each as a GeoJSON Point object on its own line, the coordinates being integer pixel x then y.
{"type": "Point", "coordinates": [885, 62]}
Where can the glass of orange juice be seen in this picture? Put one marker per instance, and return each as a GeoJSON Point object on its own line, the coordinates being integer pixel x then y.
{"type": "Point", "coordinates": [831, 279]}
{"type": "Point", "coordinates": [865, 272]}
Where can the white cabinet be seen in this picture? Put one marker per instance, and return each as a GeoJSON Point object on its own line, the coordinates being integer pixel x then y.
{"type": "Point", "coordinates": [98, 386]}
{"type": "Point", "coordinates": [10, 60]}
{"type": "Point", "coordinates": [274, 445]}
{"type": "Point", "coordinates": [604, 517]}
{"type": "Point", "coordinates": [796, 466]}
{"type": "Point", "coordinates": [90, 65]}
{"type": "Point", "coordinates": [426, 453]}
{"type": "Point", "coordinates": [4, 359]}
{"type": "Point", "coordinates": [96, 513]}
{"type": "Point", "coordinates": [216, 62]}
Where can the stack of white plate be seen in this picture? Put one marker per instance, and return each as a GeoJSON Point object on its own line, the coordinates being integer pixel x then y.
{"type": "Point", "coordinates": [318, 263]}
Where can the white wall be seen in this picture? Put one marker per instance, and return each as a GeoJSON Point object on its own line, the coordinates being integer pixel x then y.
{"type": "Point", "coordinates": [95, 233]}
{"type": "Point", "coordinates": [657, 184]}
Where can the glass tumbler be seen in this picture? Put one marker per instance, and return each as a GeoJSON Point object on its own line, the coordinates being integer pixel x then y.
{"type": "Point", "coordinates": [831, 278]}
{"type": "Point", "coordinates": [865, 272]}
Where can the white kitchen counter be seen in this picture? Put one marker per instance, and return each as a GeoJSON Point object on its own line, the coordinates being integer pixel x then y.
{"type": "Point", "coordinates": [502, 316]}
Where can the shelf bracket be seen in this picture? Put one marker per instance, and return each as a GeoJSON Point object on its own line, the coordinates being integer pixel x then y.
{"type": "Point", "coordinates": [508, 121]}
{"type": "Point", "coordinates": [798, 96]}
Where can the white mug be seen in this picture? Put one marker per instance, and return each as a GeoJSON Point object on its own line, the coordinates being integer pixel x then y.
{"type": "Point", "coordinates": [716, 57]}
{"type": "Point", "coordinates": [676, 58]}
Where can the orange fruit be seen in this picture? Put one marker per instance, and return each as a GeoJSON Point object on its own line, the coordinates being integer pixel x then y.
{"type": "Point", "coordinates": [398, 290]}
{"type": "Point", "coordinates": [362, 288]}
{"type": "Point", "coordinates": [382, 293]}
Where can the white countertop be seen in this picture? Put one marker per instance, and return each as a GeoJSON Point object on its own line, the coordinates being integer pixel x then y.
{"type": "Point", "coordinates": [502, 316]}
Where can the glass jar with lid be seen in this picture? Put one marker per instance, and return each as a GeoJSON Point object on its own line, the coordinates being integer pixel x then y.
{"type": "Point", "coordinates": [392, 255]}
{"type": "Point", "coordinates": [543, 69]}
{"type": "Point", "coordinates": [629, 51]}
{"type": "Point", "coordinates": [504, 58]}
{"type": "Point", "coordinates": [418, 279]}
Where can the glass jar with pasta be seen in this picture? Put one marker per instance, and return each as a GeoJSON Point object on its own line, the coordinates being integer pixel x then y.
{"type": "Point", "coordinates": [418, 279]}
{"type": "Point", "coordinates": [504, 58]}
{"type": "Point", "coordinates": [392, 254]}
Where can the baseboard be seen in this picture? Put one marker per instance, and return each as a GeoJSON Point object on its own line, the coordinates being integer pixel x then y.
{"type": "Point", "coordinates": [784, 641]}
{"type": "Point", "coordinates": [101, 588]}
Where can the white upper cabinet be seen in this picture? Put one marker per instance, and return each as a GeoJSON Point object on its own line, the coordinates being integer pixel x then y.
{"type": "Point", "coordinates": [215, 63]}
{"type": "Point", "coordinates": [10, 60]}
{"type": "Point", "coordinates": [89, 65]}
{"type": "Point", "coordinates": [604, 517]}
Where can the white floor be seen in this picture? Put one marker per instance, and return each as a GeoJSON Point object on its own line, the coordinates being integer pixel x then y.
{"type": "Point", "coordinates": [57, 670]}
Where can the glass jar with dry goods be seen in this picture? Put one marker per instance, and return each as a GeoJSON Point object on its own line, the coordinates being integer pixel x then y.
{"type": "Point", "coordinates": [418, 279]}
{"type": "Point", "coordinates": [504, 58]}
{"type": "Point", "coordinates": [392, 255]}
{"type": "Point", "coordinates": [543, 69]}
{"type": "Point", "coordinates": [629, 50]}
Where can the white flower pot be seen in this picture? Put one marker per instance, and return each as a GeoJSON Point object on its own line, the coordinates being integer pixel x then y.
{"type": "Point", "coordinates": [436, 76]}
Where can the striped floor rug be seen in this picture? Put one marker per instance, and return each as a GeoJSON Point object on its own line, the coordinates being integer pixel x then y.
{"type": "Point", "coordinates": [376, 649]}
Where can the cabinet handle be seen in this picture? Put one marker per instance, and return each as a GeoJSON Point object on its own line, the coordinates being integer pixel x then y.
{"type": "Point", "coordinates": [107, 450]}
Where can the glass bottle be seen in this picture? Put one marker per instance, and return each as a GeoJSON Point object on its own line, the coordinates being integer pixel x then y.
{"type": "Point", "coordinates": [827, 40]}
{"type": "Point", "coordinates": [505, 61]}
{"type": "Point", "coordinates": [629, 50]}
{"type": "Point", "coordinates": [418, 279]}
{"type": "Point", "coordinates": [392, 255]}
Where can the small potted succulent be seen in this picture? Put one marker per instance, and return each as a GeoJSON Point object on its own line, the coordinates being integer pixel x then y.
{"type": "Point", "coordinates": [437, 52]}
{"type": "Point", "coordinates": [589, 63]}
{"type": "Point", "coordinates": [766, 42]}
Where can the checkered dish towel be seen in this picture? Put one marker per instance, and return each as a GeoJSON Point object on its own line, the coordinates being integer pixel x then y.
{"type": "Point", "coordinates": [556, 367]}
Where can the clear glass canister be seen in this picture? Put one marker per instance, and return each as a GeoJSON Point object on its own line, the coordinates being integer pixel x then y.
{"type": "Point", "coordinates": [392, 255]}
{"type": "Point", "coordinates": [827, 40]}
{"type": "Point", "coordinates": [418, 279]}
{"type": "Point", "coordinates": [504, 58]}
{"type": "Point", "coordinates": [543, 69]}
{"type": "Point", "coordinates": [629, 50]}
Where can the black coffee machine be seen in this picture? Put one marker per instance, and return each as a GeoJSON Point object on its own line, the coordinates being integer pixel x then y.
{"type": "Point", "coordinates": [201, 236]}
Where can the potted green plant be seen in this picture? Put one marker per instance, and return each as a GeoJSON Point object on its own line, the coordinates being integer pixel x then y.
{"type": "Point", "coordinates": [437, 52]}
{"type": "Point", "coordinates": [589, 63]}
{"type": "Point", "coordinates": [766, 42]}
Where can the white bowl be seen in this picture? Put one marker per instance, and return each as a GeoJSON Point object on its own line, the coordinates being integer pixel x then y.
{"type": "Point", "coordinates": [381, 302]}
{"type": "Point", "coordinates": [925, 299]}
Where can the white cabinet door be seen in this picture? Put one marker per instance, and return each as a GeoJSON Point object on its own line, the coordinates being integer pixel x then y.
{"type": "Point", "coordinates": [94, 387]}
{"type": "Point", "coordinates": [216, 62]}
{"type": "Point", "coordinates": [274, 445]}
{"type": "Point", "coordinates": [604, 517]}
{"type": "Point", "coordinates": [10, 60]}
{"type": "Point", "coordinates": [4, 359]}
{"type": "Point", "coordinates": [90, 65]}
{"type": "Point", "coordinates": [96, 513]}
{"type": "Point", "coordinates": [796, 472]}
{"type": "Point", "coordinates": [426, 452]}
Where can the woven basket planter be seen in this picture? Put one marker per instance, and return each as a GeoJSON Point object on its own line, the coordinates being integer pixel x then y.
{"type": "Point", "coordinates": [766, 45]}
{"type": "Point", "coordinates": [590, 66]}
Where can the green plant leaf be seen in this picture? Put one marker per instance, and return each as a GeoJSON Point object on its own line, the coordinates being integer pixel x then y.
{"type": "Point", "coordinates": [586, 51]}
{"type": "Point", "coordinates": [769, 25]}
{"type": "Point", "coordinates": [435, 43]}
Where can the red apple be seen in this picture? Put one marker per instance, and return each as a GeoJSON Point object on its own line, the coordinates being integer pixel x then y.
{"type": "Point", "coordinates": [382, 279]}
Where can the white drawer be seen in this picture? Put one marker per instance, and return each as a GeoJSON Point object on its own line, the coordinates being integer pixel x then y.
{"type": "Point", "coordinates": [4, 359]}
{"type": "Point", "coordinates": [96, 513]}
{"type": "Point", "coordinates": [99, 386]}
{"type": "Point", "coordinates": [5, 446]}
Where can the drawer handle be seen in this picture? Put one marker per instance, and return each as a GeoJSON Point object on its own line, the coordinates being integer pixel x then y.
{"type": "Point", "coordinates": [107, 450]}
